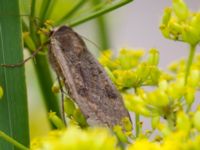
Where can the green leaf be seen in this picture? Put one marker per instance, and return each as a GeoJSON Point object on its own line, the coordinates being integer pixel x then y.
{"type": "Point", "coordinates": [100, 12]}
{"type": "Point", "coordinates": [13, 105]}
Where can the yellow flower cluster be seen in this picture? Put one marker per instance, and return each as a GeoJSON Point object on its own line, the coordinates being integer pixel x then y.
{"type": "Point", "coordinates": [174, 141]}
{"type": "Point", "coordinates": [179, 23]}
{"type": "Point", "coordinates": [74, 138]}
{"type": "Point", "coordinates": [128, 71]}
{"type": "Point", "coordinates": [167, 98]}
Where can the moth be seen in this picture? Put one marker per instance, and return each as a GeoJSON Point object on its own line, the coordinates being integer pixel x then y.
{"type": "Point", "coordinates": [85, 79]}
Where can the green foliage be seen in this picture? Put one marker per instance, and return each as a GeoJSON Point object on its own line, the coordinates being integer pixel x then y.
{"type": "Point", "coordinates": [13, 104]}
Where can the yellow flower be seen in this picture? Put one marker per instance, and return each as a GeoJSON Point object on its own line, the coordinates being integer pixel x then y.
{"type": "Point", "coordinates": [76, 139]}
{"type": "Point", "coordinates": [144, 144]}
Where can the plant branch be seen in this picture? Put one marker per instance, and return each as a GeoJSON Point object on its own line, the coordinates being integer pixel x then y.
{"type": "Point", "coordinates": [12, 141]}
{"type": "Point", "coordinates": [100, 12]}
{"type": "Point", "coordinates": [189, 61]}
{"type": "Point", "coordinates": [137, 121]}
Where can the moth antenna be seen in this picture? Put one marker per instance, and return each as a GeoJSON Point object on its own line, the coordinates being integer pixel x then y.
{"type": "Point", "coordinates": [27, 59]}
{"type": "Point", "coordinates": [96, 45]}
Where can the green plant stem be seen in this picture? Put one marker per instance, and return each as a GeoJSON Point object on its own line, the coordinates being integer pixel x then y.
{"type": "Point", "coordinates": [32, 8]}
{"type": "Point", "coordinates": [12, 141]}
{"type": "Point", "coordinates": [188, 108]}
{"type": "Point", "coordinates": [137, 125]}
{"type": "Point", "coordinates": [102, 29]}
{"type": "Point", "coordinates": [31, 22]}
{"type": "Point", "coordinates": [50, 9]}
{"type": "Point", "coordinates": [100, 12]}
{"type": "Point", "coordinates": [71, 12]}
{"type": "Point", "coordinates": [42, 68]}
{"type": "Point", "coordinates": [171, 122]}
{"type": "Point", "coordinates": [137, 120]}
{"type": "Point", "coordinates": [44, 8]}
{"type": "Point", "coordinates": [45, 81]}
{"type": "Point", "coordinates": [189, 61]}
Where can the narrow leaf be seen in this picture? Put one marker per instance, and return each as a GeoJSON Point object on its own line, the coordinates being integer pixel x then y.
{"type": "Point", "coordinates": [13, 105]}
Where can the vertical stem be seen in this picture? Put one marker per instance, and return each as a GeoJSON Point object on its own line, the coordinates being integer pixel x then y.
{"type": "Point", "coordinates": [31, 21]}
{"type": "Point", "coordinates": [137, 121]}
{"type": "Point", "coordinates": [103, 32]}
{"type": "Point", "coordinates": [62, 100]}
{"type": "Point", "coordinates": [189, 61]}
{"type": "Point", "coordinates": [171, 122]}
{"type": "Point", "coordinates": [137, 125]}
{"type": "Point", "coordinates": [45, 80]}
{"type": "Point", "coordinates": [102, 28]}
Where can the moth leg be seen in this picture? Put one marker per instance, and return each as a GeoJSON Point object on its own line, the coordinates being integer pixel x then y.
{"type": "Point", "coordinates": [25, 60]}
{"type": "Point", "coordinates": [62, 100]}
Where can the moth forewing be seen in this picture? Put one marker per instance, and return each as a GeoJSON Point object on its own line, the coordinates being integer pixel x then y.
{"type": "Point", "coordinates": [85, 79]}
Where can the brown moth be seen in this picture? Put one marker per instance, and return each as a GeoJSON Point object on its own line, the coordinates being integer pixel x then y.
{"type": "Point", "coordinates": [85, 79]}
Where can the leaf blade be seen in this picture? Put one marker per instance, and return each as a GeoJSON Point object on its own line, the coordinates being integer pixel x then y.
{"type": "Point", "coordinates": [13, 106]}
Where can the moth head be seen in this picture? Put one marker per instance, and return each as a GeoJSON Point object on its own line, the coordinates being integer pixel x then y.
{"type": "Point", "coordinates": [60, 31]}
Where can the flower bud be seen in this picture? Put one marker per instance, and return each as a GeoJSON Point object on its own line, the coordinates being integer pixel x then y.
{"type": "Point", "coordinates": [190, 35]}
{"type": "Point", "coordinates": [56, 87]}
{"type": "Point", "coordinates": [174, 28]}
{"type": "Point", "coordinates": [180, 9]}
{"type": "Point", "coordinates": [1, 92]}
{"type": "Point", "coordinates": [129, 58]}
{"type": "Point", "coordinates": [174, 67]}
{"type": "Point", "coordinates": [125, 78]}
{"type": "Point", "coordinates": [136, 104]}
{"type": "Point", "coordinates": [177, 89]}
{"type": "Point", "coordinates": [155, 121]}
{"type": "Point", "coordinates": [69, 106]}
{"type": "Point", "coordinates": [127, 124]}
{"type": "Point", "coordinates": [166, 16]}
{"type": "Point", "coordinates": [194, 77]}
{"type": "Point", "coordinates": [56, 120]}
{"type": "Point", "coordinates": [120, 134]}
{"type": "Point", "coordinates": [195, 22]}
{"type": "Point", "coordinates": [183, 122]}
{"type": "Point", "coordinates": [158, 98]}
{"type": "Point", "coordinates": [196, 119]}
{"type": "Point", "coordinates": [48, 24]}
{"type": "Point", "coordinates": [28, 41]}
{"type": "Point", "coordinates": [165, 31]}
{"type": "Point", "coordinates": [164, 128]}
{"type": "Point", "coordinates": [162, 84]}
{"type": "Point", "coordinates": [153, 57]}
{"type": "Point", "coordinates": [79, 117]}
{"type": "Point", "coordinates": [190, 95]}
{"type": "Point", "coordinates": [143, 71]}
